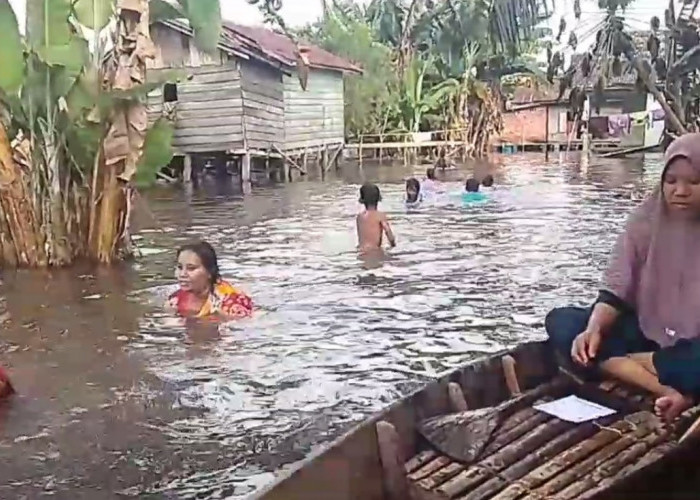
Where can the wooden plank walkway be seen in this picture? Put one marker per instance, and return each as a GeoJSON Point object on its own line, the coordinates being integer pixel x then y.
{"type": "Point", "coordinates": [596, 145]}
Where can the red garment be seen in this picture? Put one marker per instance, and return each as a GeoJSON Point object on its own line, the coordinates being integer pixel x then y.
{"type": "Point", "coordinates": [6, 388]}
{"type": "Point", "coordinates": [224, 299]}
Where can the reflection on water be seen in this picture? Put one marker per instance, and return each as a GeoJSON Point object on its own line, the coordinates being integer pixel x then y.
{"type": "Point", "coordinates": [117, 396]}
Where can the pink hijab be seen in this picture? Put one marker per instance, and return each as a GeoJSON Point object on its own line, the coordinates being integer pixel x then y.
{"type": "Point", "coordinates": [655, 265]}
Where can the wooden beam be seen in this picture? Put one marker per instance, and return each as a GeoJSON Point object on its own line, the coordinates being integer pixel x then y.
{"type": "Point", "coordinates": [245, 168]}
{"type": "Point", "coordinates": [651, 87]}
{"type": "Point", "coordinates": [510, 375]}
{"type": "Point", "coordinates": [335, 156]}
{"type": "Point", "coordinates": [457, 399]}
{"type": "Point", "coordinates": [392, 457]}
{"type": "Point", "coordinates": [289, 159]}
{"type": "Point", "coordinates": [187, 169]}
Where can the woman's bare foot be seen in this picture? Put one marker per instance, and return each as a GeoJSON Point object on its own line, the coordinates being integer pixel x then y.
{"type": "Point", "coordinates": [670, 406]}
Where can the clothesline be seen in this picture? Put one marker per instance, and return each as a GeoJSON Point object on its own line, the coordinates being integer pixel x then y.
{"type": "Point", "coordinates": [621, 124]}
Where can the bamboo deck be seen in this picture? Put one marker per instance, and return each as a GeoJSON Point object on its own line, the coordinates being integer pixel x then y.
{"type": "Point", "coordinates": [534, 456]}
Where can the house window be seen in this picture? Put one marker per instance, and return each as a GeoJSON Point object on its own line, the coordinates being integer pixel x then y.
{"type": "Point", "coordinates": [170, 92]}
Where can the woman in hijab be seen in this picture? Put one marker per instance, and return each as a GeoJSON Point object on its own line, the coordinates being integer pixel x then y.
{"type": "Point", "coordinates": [644, 328]}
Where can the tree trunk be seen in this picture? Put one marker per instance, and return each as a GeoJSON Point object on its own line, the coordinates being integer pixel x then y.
{"type": "Point", "coordinates": [123, 144]}
{"type": "Point", "coordinates": [651, 87]}
{"type": "Point", "coordinates": [21, 241]}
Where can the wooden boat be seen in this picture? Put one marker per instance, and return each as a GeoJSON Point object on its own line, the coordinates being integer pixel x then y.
{"type": "Point", "coordinates": [528, 455]}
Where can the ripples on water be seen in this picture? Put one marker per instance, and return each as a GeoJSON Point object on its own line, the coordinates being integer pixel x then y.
{"type": "Point", "coordinates": [119, 396]}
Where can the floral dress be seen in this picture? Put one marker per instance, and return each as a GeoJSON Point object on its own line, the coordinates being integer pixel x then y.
{"type": "Point", "coordinates": [224, 300]}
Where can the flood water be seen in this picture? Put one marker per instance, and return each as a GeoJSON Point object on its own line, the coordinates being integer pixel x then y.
{"type": "Point", "coordinates": [119, 399]}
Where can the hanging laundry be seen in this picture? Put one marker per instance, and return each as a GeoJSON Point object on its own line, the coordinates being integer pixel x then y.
{"type": "Point", "coordinates": [658, 114]}
{"type": "Point", "coordinates": [618, 125]}
{"type": "Point", "coordinates": [639, 118]}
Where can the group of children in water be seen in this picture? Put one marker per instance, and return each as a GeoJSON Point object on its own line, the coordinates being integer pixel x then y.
{"type": "Point", "coordinates": [373, 225]}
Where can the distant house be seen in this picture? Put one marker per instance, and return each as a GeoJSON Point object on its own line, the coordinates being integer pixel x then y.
{"type": "Point", "coordinates": [316, 116]}
{"type": "Point", "coordinates": [246, 101]}
{"type": "Point", "coordinates": [533, 112]}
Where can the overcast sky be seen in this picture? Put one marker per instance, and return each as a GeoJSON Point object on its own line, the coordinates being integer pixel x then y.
{"type": "Point", "coordinates": [294, 12]}
{"type": "Point", "coordinates": [299, 12]}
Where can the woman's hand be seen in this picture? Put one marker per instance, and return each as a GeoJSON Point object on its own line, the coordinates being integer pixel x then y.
{"type": "Point", "coordinates": [586, 345]}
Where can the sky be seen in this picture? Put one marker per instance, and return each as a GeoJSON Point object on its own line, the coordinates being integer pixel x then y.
{"type": "Point", "coordinates": [299, 12]}
{"type": "Point", "coordinates": [294, 12]}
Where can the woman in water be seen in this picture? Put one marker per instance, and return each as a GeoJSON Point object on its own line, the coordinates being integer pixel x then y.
{"type": "Point", "coordinates": [202, 291]}
{"type": "Point", "coordinates": [644, 328]}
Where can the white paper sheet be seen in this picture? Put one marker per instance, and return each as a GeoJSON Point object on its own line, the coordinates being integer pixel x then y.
{"type": "Point", "coordinates": [574, 409]}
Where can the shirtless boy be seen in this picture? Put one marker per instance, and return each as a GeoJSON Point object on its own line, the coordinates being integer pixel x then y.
{"type": "Point", "coordinates": [371, 223]}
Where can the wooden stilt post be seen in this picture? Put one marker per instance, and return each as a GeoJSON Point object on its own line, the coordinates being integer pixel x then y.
{"type": "Point", "coordinates": [269, 173]}
{"type": "Point", "coordinates": [546, 138]}
{"type": "Point", "coordinates": [381, 149]}
{"type": "Point", "coordinates": [245, 168]}
{"type": "Point", "coordinates": [510, 375]}
{"type": "Point", "coordinates": [187, 169]}
{"type": "Point", "coordinates": [305, 160]}
{"type": "Point", "coordinates": [392, 457]}
{"type": "Point", "coordinates": [336, 160]}
{"type": "Point", "coordinates": [359, 151]}
{"type": "Point", "coordinates": [287, 171]}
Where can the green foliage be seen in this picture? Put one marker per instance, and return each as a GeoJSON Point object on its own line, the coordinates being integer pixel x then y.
{"type": "Point", "coordinates": [94, 14]}
{"type": "Point", "coordinates": [49, 84]}
{"type": "Point", "coordinates": [371, 99]}
{"type": "Point", "coordinates": [419, 57]}
{"type": "Point", "coordinates": [162, 10]}
{"type": "Point", "coordinates": [47, 23]}
{"type": "Point", "coordinates": [11, 51]}
{"type": "Point", "coordinates": [157, 152]}
{"type": "Point", "coordinates": [205, 18]}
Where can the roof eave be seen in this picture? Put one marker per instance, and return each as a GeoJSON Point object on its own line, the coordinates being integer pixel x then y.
{"type": "Point", "coordinates": [225, 47]}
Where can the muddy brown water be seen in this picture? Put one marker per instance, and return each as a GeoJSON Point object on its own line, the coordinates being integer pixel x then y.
{"type": "Point", "coordinates": [119, 399]}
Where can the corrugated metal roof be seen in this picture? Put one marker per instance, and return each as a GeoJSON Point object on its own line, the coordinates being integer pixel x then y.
{"type": "Point", "coordinates": [263, 44]}
{"type": "Point", "coordinates": [281, 47]}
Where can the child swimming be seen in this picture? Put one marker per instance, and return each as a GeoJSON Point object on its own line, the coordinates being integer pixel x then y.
{"type": "Point", "coordinates": [372, 224]}
{"type": "Point", "coordinates": [429, 184]}
{"type": "Point", "coordinates": [413, 193]}
{"type": "Point", "coordinates": [487, 181]}
{"type": "Point", "coordinates": [471, 192]}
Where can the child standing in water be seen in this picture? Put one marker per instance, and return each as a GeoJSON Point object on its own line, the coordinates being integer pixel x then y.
{"type": "Point", "coordinates": [413, 193]}
{"type": "Point", "coordinates": [371, 223]}
{"type": "Point", "coordinates": [429, 185]}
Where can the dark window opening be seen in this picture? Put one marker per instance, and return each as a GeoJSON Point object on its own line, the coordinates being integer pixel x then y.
{"type": "Point", "coordinates": [170, 92]}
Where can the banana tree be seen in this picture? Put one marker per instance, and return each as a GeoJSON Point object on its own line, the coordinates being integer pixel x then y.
{"type": "Point", "coordinates": [73, 125]}
{"type": "Point", "coordinates": [417, 99]}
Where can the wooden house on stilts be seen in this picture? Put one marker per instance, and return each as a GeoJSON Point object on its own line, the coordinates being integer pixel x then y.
{"type": "Point", "coordinates": [246, 106]}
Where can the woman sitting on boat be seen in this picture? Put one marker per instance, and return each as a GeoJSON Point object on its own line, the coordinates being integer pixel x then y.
{"type": "Point", "coordinates": [644, 328]}
{"type": "Point", "coordinates": [202, 291]}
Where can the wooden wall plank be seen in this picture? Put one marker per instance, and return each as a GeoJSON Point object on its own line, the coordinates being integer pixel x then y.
{"type": "Point", "coordinates": [314, 117]}
{"type": "Point", "coordinates": [263, 105]}
{"type": "Point", "coordinates": [208, 106]}
{"type": "Point", "coordinates": [213, 130]}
